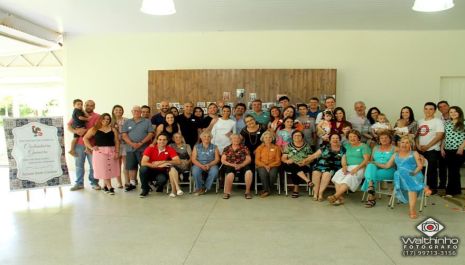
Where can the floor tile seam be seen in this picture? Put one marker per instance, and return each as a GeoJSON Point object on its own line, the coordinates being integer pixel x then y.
{"type": "Point", "coordinates": [370, 235]}
{"type": "Point", "coordinates": [201, 230]}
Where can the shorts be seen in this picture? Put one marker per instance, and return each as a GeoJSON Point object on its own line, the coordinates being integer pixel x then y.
{"type": "Point", "coordinates": [133, 160]}
{"type": "Point", "coordinates": [237, 173]}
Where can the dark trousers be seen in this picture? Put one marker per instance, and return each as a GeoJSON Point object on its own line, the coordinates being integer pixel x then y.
{"type": "Point", "coordinates": [433, 164]}
{"type": "Point", "coordinates": [442, 172]}
{"type": "Point", "coordinates": [454, 162]}
{"type": "Point", "coordinates": [148, 174]}
{"type": "Point", "coordinates": [294, 169]}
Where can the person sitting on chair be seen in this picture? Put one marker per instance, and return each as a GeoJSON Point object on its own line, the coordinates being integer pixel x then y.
{"type": "Point", "coordinates": [408, 178]}
{"type": "Point", "coordinates": [297, 156]}
{"type": "Point", "coordinates": [184, 153]}
{"type": "Point", "coordinates": [267, 161]}
{"type": "Point", "coordinates": [205, 158]}
{"type": "Point", "coordinates": [236, 160]}
{"type": "Point", "coordinates": [157, 165]}
{"type": "Point", "coordinates": [373, 174]}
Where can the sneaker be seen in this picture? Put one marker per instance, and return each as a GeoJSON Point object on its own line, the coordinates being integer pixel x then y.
{"type": "Point", "coordinates": [130, 187]}
{"type": "Point", "coordinates": [76, 187]}
{"type": "Point", "coordinates": [199, 192]}
{"type": "Point", "coordinates": [144, 194]}
{"type": "Point", "coordinates": [153, 185]}
{"type": "Point", "coordinates": [111, 191]}
{"type": "Point", "coordinates": [180, 192]}
{"type": "Point", "coordinates": [172, 195]}
{"type": "Point", "coordinates": [105, 189]}
{"type": "Point", "coordinates": [96, 187]}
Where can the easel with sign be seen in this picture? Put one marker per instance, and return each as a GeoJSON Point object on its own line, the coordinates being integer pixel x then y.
{"type": "Point", "coordinates": [28, 197]}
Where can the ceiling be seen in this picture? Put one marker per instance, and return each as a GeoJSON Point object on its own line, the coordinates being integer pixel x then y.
{"type": "Point", "coordinates": [117, 16]}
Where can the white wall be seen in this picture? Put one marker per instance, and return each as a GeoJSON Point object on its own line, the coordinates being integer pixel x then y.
{"type": "Point", "coordinates": [388, 69]}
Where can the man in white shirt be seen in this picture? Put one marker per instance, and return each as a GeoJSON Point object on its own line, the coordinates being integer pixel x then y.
{"type": "Point", "coordinates": [429, 136]}
{"type": "Point", "coordinates": [360, 121]}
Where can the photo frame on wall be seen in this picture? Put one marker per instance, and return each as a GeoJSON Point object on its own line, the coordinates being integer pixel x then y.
{"type": "Point", "coordinates": [252, 96]}
{"type": "Point", "coordinates": [226, 96]}
{"type": "Point", "coordinates": [201, 104]}
{"type": "Point", "coordinates": [240, 93]}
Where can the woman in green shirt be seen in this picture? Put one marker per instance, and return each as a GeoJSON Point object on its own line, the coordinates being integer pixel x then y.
{"type": "Point", "coordinates": [297, 156]}
{"type": "Point", "coordinates": [354, 162]}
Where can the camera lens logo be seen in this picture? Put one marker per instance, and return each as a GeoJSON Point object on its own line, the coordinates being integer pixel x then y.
{"type": "Point", "coordinates": [430, 227]}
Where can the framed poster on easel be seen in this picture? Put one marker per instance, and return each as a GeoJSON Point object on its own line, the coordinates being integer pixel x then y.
{"type": "Point", "coordinates": [36, 153]}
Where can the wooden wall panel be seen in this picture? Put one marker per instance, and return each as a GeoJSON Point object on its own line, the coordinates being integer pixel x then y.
{"type": "Point", "coordinates": [208, 85]}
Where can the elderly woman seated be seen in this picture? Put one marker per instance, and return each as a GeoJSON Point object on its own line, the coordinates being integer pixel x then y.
{"type": "Point", "coordinates": [297, 156]}
{"type": "Point", "coordinates": [353, 165]}
{"type": "Point", "coordinates": [205, 158]}
{"type": "Point", "coordinates": [267, 161]}
{"type": "Point", "coordinates": [236, 160]}
{"type": "Point", "coordinates": [184, 153]}
{"type": "Point", "coordinates": [373, 173]}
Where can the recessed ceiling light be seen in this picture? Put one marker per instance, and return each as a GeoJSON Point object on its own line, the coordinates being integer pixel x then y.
{"type": "Point", "coordinates": [432, 5]}
{"type": "Point", "coordinates": [158, 7]}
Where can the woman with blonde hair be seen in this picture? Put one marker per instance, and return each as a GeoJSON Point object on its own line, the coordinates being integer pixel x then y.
{"type": "Point", "coordinates": [184, 152]}
{"type": "Point", "coordinates": [267, 161]}
{"type": "Point", "coordinates": [408, 178]}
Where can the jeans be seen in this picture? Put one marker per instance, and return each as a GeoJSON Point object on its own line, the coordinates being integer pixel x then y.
{"type": "Point", "coordinates": [79, 161]}
{"type": "Point", "coordinates": [197, 174]}
{"type": "Point", "coordinates": [433, 162]}
{"type": "Point", "coordinates": [268, 178]}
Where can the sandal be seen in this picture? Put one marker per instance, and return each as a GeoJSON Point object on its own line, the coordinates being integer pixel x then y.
{"type": "Point", "coordinates": [371, 190]}
{"type": "Point", "coordinates": [338, 202]}
{"type": "Point", "coordinates": [370, 204]}
{"type": "Point", "coordinates": [226, 196]}
{"type": "Point", "coordinates": [295, 195]}
{"type": "Point", "coordinates": [248, 196]}
{"type": "Point", "coordinates": [332, 199]}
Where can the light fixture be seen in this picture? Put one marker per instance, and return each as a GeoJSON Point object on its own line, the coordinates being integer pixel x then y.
{"type": "Point", "coordinates": [158, 7]}
{"type": "Point", "coordinates": [432, 5]}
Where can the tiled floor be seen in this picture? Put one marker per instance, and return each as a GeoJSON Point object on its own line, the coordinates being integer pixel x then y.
{"type": "Point", "coordinates": [91, 227]}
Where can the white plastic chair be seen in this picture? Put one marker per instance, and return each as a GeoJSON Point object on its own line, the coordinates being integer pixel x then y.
{"type": "Point", "coordinates": [190, 182]}
{"type": "Point", "coordinates": [287, 185]}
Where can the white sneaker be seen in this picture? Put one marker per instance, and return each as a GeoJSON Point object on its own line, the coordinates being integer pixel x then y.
{"type": "Point", "coordinates": [172, 195]}
{"type": "Point", "coordinates": [180, 192]}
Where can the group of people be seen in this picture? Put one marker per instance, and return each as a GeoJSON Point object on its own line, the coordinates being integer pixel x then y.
{"type": "Point", "coordinates": [315, 146]}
